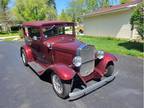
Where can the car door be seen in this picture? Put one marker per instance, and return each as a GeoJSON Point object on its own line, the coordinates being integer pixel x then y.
{"type": "Point", "coordinates": [46, 55]}
{"type": "Point", "coordinates": [47, 52]}
{"type": "Point", "coordinates": [36, 42]}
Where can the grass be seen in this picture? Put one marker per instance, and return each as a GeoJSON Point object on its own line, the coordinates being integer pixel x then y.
{"type": "Point", "coordinates": [116, 46]}
{"type": "Point", "coordinates": [8, 36]}
{"type": "Point", "coordinates": [8, 39]}
{"type": "Point", "coordinates": [4, 34]}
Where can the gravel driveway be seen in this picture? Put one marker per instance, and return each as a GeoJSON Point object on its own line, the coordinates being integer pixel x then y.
{"type": "Point", "coordinates": [21, 88]}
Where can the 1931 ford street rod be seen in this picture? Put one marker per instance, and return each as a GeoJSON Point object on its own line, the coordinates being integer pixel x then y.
{"type": "Point", "coordinates": [51, 48]}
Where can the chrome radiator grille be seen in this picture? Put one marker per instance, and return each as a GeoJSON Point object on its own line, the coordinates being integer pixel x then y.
{"type": "Point", "coordinates": [88, 60]}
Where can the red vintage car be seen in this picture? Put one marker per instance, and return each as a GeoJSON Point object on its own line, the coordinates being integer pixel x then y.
{"type": "Point", "coordinates": [51, 49]}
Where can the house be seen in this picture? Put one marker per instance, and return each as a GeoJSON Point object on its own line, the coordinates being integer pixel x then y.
{"type": "Point", "coordinates": [111, 21]}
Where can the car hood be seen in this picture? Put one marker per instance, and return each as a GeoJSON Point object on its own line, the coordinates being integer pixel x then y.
{"type": "Point", "coordinates": [64, 43]}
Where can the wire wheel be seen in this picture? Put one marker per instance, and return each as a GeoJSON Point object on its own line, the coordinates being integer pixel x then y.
{"type": "Point", "coordinates": [61, 88]}
{"type": "Point", "coordinates": [24, 59]}
{"type": "Point", "coordinates": [58, 86]}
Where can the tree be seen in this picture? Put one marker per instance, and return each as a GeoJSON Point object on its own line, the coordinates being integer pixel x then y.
{"type": "Point", "coordinates": [91, 4]}
{"type": "Point", "coordinates": [4, 4]}
{"type": "Point", "coordinates": [64, 16]}
{"type": "Point", "coordinates": [3, 9]}
{"type": "Point", "coordinates": [28, 10]}
{"type": "Point", "coordinates": [4, 14]}
{"type": "Point", "coordinates": [76, 9]}
{"type": "Point", "coordinates": [103, 3]}
{"type": "Point", "coordinates": [52, 3]}
{"type": "Point", "coordinates": [137, 19]}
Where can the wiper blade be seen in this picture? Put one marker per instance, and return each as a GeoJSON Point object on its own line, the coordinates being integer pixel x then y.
{"type": "Point", "coordinates": [51, 27]}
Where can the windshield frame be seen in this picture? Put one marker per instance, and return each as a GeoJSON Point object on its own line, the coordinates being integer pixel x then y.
{"type": "Point", "coordinates": [59, 25]}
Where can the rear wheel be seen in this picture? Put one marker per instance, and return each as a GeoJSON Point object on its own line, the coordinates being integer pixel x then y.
{"type": "Point", "coordinates": [61, 88]}
{"type": "Point", "coordinates": [109, 70]}
{"type": "Point", "coordinates": [24, 59]}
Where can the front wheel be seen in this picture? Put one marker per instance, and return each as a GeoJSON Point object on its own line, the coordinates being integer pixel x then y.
{"type": "Point", "coordinates": [109, 70]}
{"type": "Point", "coordinates": [61, 88]}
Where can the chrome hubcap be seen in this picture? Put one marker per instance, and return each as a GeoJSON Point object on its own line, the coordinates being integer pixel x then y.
{"type": "Point", "coordinates": [57, 84]}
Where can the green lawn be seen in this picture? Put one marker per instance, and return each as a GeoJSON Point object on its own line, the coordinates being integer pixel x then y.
{"type": "Point", "coordinates": [8, 39]}
{"type": "Point", "coordinates": [3, 34]}
{"type": "Point", "coordinates": [116, 46]}
{"type": "Point", "coordinates": [8, 36]}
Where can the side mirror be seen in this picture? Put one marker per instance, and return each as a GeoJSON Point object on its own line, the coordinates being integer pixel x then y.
{"type": "Point", "coordinates": [35, 38]}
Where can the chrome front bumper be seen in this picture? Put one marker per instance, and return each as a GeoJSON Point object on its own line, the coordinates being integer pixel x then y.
{"type": "Point", "coordinates": [80, 93]}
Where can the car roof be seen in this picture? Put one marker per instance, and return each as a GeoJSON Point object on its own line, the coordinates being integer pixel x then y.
{"type": "Point", "coordinates": [44, 23]}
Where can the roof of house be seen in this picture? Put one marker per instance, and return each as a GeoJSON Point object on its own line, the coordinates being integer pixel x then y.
{"type": "Point", "coordinates": [115, 8]}
{"type": "Point", "coordinates": [44, 23]}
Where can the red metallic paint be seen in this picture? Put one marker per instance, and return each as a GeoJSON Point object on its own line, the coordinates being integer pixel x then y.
{"type": "Point", "coordinates": [95, 74]}
{"type": "Point", "coordinates": [64, 43]}
{"type": "Point", "coordinates": [101, 67]}
{"type": "Point", "coordinates": [28, 52]}
{"type": "Point", "coordinates": [62, 57]}
{"type": "Point", "coordinates": [63, 71]}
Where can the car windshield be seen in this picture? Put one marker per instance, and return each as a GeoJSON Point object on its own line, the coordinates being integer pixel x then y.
{"type": "Point", "coordinates": [58, 30]}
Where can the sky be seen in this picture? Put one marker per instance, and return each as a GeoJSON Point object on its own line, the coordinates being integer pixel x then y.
{"type": "Point", "coordinates": [11, 4]}
{"type": "Point", "coordinates": [61, 4]}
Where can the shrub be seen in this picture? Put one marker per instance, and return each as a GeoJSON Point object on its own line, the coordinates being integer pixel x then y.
{"type": "Point", "coordinates": [124, 1]}
{"type": "Point", "coordinates": [137, 19]}
{"type": "Point", "coordinates": [21, 33]}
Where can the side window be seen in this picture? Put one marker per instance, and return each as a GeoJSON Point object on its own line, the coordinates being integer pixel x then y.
{"type": "Point", "coordinates": [33, 32]}
{"type": "Point", "coordinates": [69, 30]}
{"type": "Point", "coordinates": [50, 31]}
{"type": "Point", "coordinates": [53, 31]}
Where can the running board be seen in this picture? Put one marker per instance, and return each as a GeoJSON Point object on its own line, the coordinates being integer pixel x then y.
{"type": "Point", "coordinates": [37, 67]}
{"type": "Point", "coordinates": [80, 93]}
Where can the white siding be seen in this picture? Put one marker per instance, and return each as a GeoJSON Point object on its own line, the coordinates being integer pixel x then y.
{"type": "Point", "coordinates": [114, 24]}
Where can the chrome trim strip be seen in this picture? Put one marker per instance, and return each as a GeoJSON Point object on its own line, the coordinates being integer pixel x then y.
{"type": "Point", "coordinates": [80, 47]}
{"type": "Point", "coordinates": [88, 61]}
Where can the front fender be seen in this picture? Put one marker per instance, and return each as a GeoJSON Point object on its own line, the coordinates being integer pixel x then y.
{"type": "Point", "coordinates": [101, 66]}
{"type": "Point", "coordinates": [63, 71]}
{"type": "Point", "coordinates": [28, 52]}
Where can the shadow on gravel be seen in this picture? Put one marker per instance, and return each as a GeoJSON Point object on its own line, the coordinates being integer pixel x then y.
{"type": "Point", "coordinates": [44, 77]}
{"type": "Point", "coordinates": [132, 45]}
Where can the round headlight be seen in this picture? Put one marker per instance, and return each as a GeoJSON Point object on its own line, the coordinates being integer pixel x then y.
{"type": "Point", "coordinates": [77, 61]}
{"type": "Point", "coordinates": [100, 54]}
